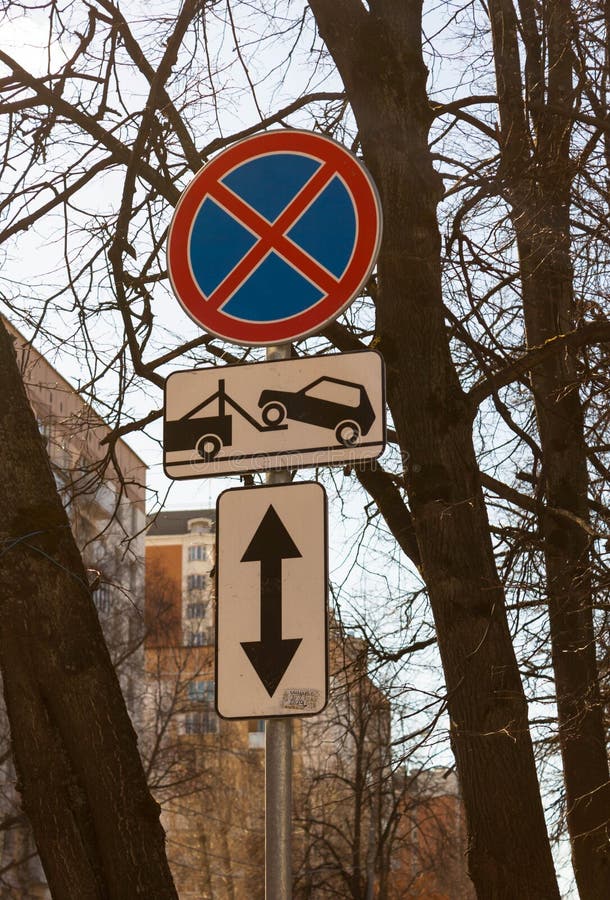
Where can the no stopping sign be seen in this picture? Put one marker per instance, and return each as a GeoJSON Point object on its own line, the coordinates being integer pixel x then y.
{"type": "Point", "coordinates": [274, 237]}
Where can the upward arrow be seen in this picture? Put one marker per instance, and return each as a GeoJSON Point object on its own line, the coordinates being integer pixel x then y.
{"type": "Point", "coordinates": [271, 655]}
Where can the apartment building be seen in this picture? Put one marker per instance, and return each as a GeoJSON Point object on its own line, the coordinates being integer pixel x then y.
{"type": "Point", "coordinates": [208, 774]}
{"type": "Point", "coordinates": [180, 550]}
{"type": "Point", "coordinates": [360, 828]}
{"type": "Point", "coordinates": [105, 501]}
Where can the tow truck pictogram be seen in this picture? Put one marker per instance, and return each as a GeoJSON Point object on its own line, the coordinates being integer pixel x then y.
{"type": "Point", "coordinates": [209, 434]}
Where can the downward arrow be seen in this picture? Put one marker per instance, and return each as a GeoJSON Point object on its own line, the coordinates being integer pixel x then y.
{"type": "Point", "coordinates": [272, 655]}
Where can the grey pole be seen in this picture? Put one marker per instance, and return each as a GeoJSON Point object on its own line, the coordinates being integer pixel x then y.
{"type": "Point", "coordinates": [278, 764]}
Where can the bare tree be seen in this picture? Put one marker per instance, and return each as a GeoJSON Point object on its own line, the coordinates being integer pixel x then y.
{"type": "Point", "coordinates": [91, 811]}
{"type": "Point", "coordinates": [433, 419]}
{"type": "Point", "coordinates": [495, 343]}
{"type": "Point", "coordinates": [537, 172]}
{"type": "Point", "coordinates": [346, 778]}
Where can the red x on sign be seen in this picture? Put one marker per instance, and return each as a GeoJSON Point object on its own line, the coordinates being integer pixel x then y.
{"type": "Point", "coordinates": [274, 237]}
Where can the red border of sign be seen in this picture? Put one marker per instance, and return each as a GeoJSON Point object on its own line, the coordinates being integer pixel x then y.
{"type": "Point", "coordinates": [367, 209]}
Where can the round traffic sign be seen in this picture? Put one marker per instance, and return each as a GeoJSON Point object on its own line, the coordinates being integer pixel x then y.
{"type": "Point", "coordinates": [274, 237]}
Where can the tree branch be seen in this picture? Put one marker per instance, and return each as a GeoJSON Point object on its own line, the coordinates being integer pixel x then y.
{"type": "Point", "coordinates": [219, 143]}
{"type": "Point", "coordinates": [120, 151]}
{"type": "Point", "coordinates": [166, 105]}
{"type": "Point", "coordinates": [382, 488]}
{"type": "Point", "coordinates": [591, 333]}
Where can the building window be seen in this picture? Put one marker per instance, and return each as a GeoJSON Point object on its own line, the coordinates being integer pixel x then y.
{"type": "Point", "coordinates": [256, 734]}
{"type": "Point", "coordinates": [138, 520]}
{"type": "Point", "coordinates": [195, 582]}
{"type": "Point", "coordinates": [196, 639]}
{"type": "Point", "coordinates": [197, 552]}
{"type": "Point", "coordinates": [101, 598]}
{"type": "Point", "coordinates": [198, 526]}
{"type": "Point", "coordinates": [62, 455]}
{"type": "Point", "coordinates": [203, 721]}
{"type": "Point", "coordinates": [195, 610]}
{"type": "Point", "coordinates": [46, 429]}
{"type": "Point", "coordinates": [201, 692]}
{"type": "Point", "coordinates": [201, 637]}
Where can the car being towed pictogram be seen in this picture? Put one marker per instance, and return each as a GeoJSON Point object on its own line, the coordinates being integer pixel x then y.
{"type": "Point", "coordinates": [342, 406]}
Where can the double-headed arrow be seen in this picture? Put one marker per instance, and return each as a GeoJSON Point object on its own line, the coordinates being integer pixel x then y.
{"type": "Point", "coordinates": [272, 655]}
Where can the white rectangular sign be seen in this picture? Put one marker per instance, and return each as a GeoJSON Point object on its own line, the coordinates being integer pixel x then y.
{"type": "Point", "coordinates": [271, 601]}
{"type": "Point", "coordinates": [323, 410]}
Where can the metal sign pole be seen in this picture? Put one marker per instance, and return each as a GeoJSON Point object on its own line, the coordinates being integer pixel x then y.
{"type": "Point", "coordinates": [278, 763]}
{"type": "Point", "coordinates": [205, 266]}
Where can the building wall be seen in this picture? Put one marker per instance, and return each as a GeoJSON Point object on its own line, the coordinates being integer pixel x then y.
{"type": "Point", "coordinates": [215, 821]}
{"type": "Point", "coordinates": [430, 841]}
{"type": "Point", "coordinates": [105, 504]}
{"type": "Point", "coordinates": [106, 508]}
{"type": "Point", "coordinates": [208, 776]}
{"type": "Point", "coordinates": [215, 827]}
{"type": "Point", "coordinates": [186, 559]}
{"type": "Point", "coordinates": [163, 595]}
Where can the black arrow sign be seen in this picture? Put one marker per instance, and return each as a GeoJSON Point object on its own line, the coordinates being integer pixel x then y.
{"type": "Point", "coordinates": [272, 655]}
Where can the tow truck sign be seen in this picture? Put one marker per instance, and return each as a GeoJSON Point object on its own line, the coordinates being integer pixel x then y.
{"type": "Point", "coordinates": [325, 410]}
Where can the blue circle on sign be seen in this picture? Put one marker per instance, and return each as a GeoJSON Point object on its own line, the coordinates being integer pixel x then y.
{"type": "Point", "coordinates": [325, 231]}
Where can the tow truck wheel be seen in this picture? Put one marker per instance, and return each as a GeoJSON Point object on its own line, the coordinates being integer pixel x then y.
{"type": "Point", "coordinates": [347, 433]}
{"type": "Point", "coordinates": [208, 446]}
{"type": "Point", "coordinates": [273, 413]}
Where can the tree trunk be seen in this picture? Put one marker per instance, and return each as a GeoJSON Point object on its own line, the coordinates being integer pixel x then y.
{"type": "Point", "coordinates": [538, 177]}
{"type": "Point", "coordinates": [379, 56]}
{"type": "Point", "coordinates": [96, 826]}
